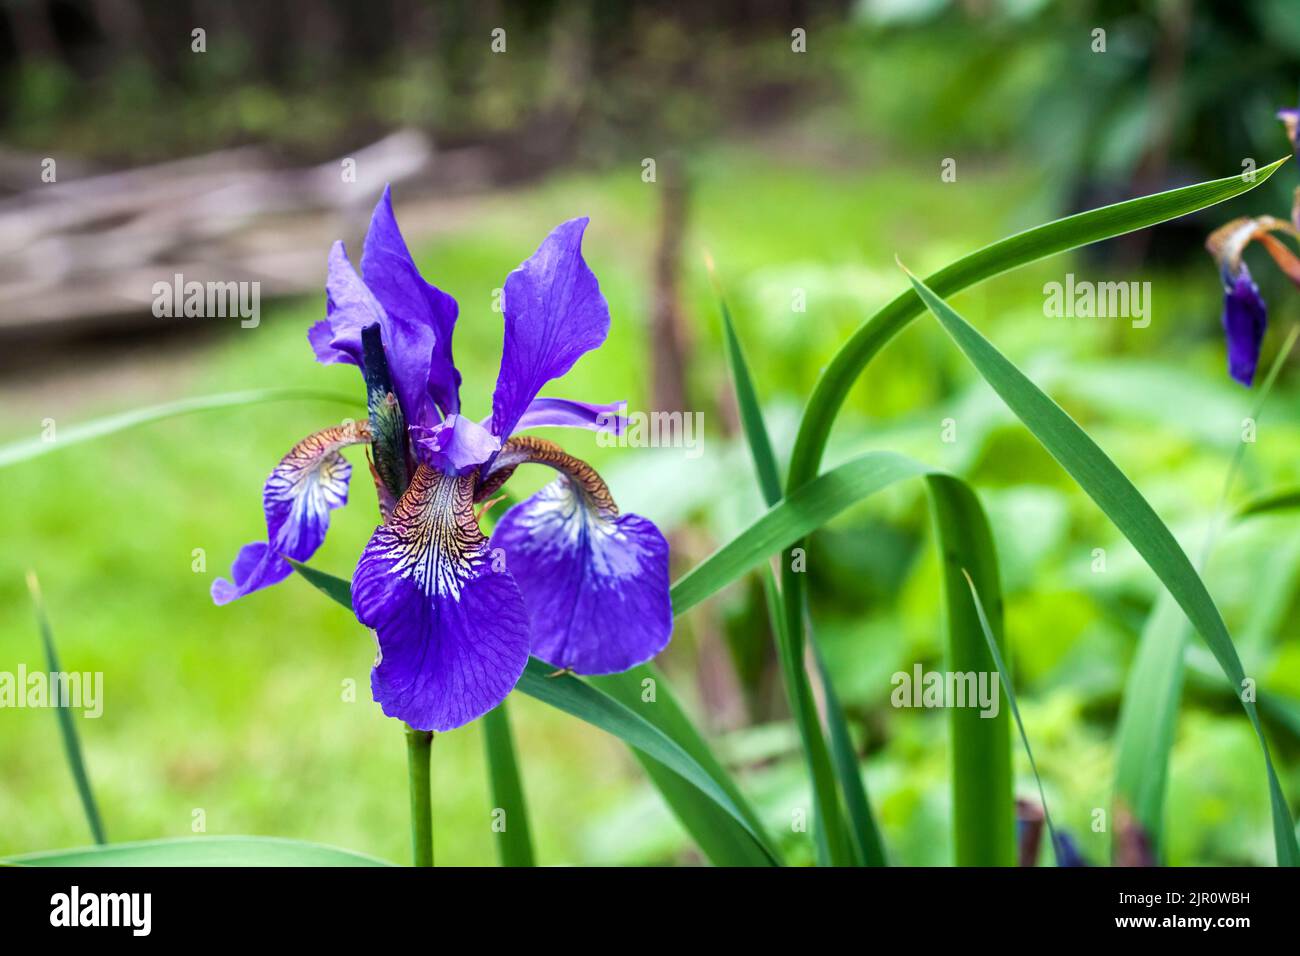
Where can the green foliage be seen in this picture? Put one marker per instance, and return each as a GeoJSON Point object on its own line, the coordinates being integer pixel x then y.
{"type": "Point", "coordinates": [515, 843]}
{"type": "Point", "coordinates": [67, 727]}
{"type": "Point", "coordinates": [873, 591]}
{"type": "Point", "coordinates": [576, 697]}
{"type": "Point", "coordinates": [202, 851]}
{"type": "Point", "coordinates": [1132, 515]}
{"type": "Point", "coordinates": [984, 815]}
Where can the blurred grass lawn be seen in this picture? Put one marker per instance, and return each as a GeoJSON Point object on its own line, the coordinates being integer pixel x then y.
{"type": "Point", "coordinates": [240, 711]}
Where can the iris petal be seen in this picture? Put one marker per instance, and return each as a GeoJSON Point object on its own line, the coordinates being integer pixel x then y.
{"type": "Point", "coordinates": [452, 629]}
{"type": "Point", "coordinates": [1245, 320]}
{"type": "Point", "coordinates": [566, 413]}
{"type": "Point", "coordinates": [349, 308]}
{"type": "Point", "coordinates": [421, 318]}
{"type": "Point", "coordinates": [595, 582]}
{"type": "Point", "coordinates": [455, 444]}
{"type": "Point", "coordinates": [554, 313]}
{"type": "Point", "coordinates": [302, 490]}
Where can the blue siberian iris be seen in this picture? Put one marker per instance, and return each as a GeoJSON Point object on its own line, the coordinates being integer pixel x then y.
{"type": "Point", "coordinates": [565, 576]}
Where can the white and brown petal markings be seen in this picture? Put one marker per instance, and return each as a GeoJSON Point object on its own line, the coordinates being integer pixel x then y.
{"type": "Point", "coordinates": [309, 482]}
{"type": "Point", "coordinates": [432, 536]}
{"type": "Point", "coordinates": [301, 491]}
{"type": "Point", "coordinates": [525, 449]}
{"type": "Point", "coordinates": [594, 581]}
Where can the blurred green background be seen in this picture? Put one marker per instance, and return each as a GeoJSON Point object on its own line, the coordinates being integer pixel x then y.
{"type": "Point", "coordinates": [796, 172]}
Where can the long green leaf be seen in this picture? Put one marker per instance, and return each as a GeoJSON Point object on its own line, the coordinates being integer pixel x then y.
{"type": "Point", "coordinates": [514, 842]}
{"type": "Point", "coordinates": [751, 414]}
{"type": "Point", "coordinates": [869, 845]}
{"type": "Point", "coordinates": [27, 448]}
{"type": "Point", "coordinates": [791, 519]}
{"type": "Point", "coordinates": [203, 851]}
{"type": "Point", "coordinates": [828, 770]}
{"type": "Point", "coordinates": [1002, 256]}
{"type": "Point", "coordinates": [67, 727]}
{"type": "Point", "coordinates": [1272, 502]}
{"type": "Point", "coordinates": [644, 690]}
{"type": "Point", "coordinates": [833, 843]}
{"type": "Point", "coordinates": [1009, 689]}
{"type": "Point", "coordinates": [983, 799]}
{"type": "Point", "coordinates": [1149, 708]}
{"type": "Point", "coordinates": [581, 700]}
{"type": "Point", "coordinates": [1148, 716]}
{"type": "Point", "coordinates": [1098, 476]}
{"type": "Point", "coordinates": [586, 702]}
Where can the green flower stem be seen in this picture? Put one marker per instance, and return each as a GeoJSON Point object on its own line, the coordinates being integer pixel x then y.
{"type": "Point", "coordinates": [419, 746]}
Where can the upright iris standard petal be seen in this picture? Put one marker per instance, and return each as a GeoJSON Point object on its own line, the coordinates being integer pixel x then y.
{"type": "Point", "coordinates": [554, 313]}
{"type": "Point", "coordinates": [349, 308]}
{"type": "Point", "coordinates": [421, 319]}
{"type": "Point", "coordinates": [1245, 319]}
{"type": "Point", "coordinates": [452, 629]}
{"type": "Point", "coordinates": [307, 484]}
{"type": "Point", "coordinates": [595, 582]}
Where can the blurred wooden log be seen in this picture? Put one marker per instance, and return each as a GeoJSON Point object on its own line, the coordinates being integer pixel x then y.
{"type": "Point", "coordinates": [90, 249]}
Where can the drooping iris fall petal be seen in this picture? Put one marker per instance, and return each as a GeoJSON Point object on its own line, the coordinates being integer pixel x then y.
{"type": "Point", "coordinates": [453, 633]}
{"type": "Point", "coordinates": [308, 483]}
{"type": "Point", "coordinates": [595, 582]}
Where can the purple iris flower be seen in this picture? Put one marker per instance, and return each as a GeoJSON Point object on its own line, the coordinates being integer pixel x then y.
{"type": "Point", "coordinates": [1245, 316]}
{"type": "Point", "coordinates": [565, 576]}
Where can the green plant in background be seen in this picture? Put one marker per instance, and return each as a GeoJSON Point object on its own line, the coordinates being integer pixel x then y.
{"type": "Point", "coordinates": [679, 762]}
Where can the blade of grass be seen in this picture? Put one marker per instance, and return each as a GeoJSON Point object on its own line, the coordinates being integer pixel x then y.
{"type": "Point", "coordinates": [1124, 505]}
{"type": "Point", "coordinates": [983, 798]}
{"type": "Point", "coordinates": [751, 413]}
{"type": "Point", "coordinates": [1008, 689]}
{"type": "Point", "coordinates": [829, 772]}
{"type": "Point", "coordinates": [514, 842]}
{"type": "Point", "coordinates": [832, 843]}
{"type": "Point", "coordinates": [869, 846]}
{"type": "Point", "coordinates": [1148, 713]}
{"type": "Point", "coordinates": [1148, 716]}
{"type": "Point", "coordinates": [26, 449]}
{"type": "Point", "coordinates": [588, 703]}
{"type": "Point", "coordinates": [67, 728]}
